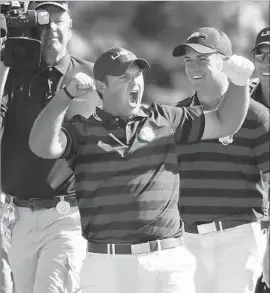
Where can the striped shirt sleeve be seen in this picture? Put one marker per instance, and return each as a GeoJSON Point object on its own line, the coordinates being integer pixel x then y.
{"type": "Point", "coordinates": [188, 123]}
{"type": "Point", "coordinates": [261, 143]}
{"type": "Point", "coordinates": [70, 129]}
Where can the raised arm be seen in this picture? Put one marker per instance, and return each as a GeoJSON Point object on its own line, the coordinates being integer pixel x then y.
{"type": "Point", "coordinates": [46, 138]}
{"type": "Point", "coordinates": [230, 115]}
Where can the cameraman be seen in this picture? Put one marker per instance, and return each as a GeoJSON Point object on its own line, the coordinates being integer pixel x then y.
{"type": "Point", "coordinates": [41, 224]}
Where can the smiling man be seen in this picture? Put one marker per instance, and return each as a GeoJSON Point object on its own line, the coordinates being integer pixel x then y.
{"type": "Point", "coordinates": [221, 184]}
{"type": "Point", "coordinates": [126, 171]}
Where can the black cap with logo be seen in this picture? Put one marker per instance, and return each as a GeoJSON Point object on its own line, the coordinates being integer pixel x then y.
{"type": "Point", "coordinates": [116, 61]}
{"type": "Point", "coordinates": [263, 37]}
{"type": "Point", "coordinates": [206, 40]}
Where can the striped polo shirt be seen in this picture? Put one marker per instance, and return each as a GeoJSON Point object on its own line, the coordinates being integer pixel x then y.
{"type": "Point", "coordinates": [126, 173]}
{"type": "Point", "coordinates": [221, 178]}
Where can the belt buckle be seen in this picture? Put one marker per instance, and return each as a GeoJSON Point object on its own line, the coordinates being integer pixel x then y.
{"type": "Point", "coordinates": [140, 248]}
{"type": "Point", "coordinates": [207, 228]}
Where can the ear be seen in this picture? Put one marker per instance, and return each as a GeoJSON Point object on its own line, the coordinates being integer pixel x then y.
{"type": "Point", "coordinates": [100, 86]}
{"type": "Point", "coordinates": [70, 30]}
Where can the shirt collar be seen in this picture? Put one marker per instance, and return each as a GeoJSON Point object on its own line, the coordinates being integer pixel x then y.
{"type": "Point", "coordinates": [195, 100]}
{"type": "Point", "coordinates": [101, 115]}
{"type": "Point", "coordinates": [62, 65]}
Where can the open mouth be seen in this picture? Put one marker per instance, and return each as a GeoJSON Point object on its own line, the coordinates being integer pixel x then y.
{"type": "Point", "coordinates": [196, 77]}
{"type": "Point", "coordinates": [134, 98]}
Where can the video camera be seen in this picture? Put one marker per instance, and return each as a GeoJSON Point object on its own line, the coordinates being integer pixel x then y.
{"type": "Point", "coordinates": [21, 47]}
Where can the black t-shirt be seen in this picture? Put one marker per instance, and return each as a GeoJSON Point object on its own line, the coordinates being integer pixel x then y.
{"type": "Point", "coordinates": [23, 174]}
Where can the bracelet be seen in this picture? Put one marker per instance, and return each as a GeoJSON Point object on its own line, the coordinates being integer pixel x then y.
{"type": "Point", "coordinates": [67, 92]}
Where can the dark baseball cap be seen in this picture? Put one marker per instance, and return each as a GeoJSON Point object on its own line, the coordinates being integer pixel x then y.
{"type": "Point", "coordinates": [263, 37]}
{"type": "Point", "coordinates": [116, 61]}
{"type": "Point", "coordinates": [206, 40]}
{"type": "Point", "coordinates": [61, 4]}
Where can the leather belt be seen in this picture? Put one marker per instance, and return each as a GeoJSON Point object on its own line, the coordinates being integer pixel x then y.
{"type": "Point", "coordinates": [40, 203]}
{"type": "Point", "coordinates": [146, 247]}
{"type": "Point", "coordinates": [208, 227]}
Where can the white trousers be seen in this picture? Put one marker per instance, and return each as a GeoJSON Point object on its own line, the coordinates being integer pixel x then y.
{"type": "Point", "coordinates": [227, 261]}
{"type": "Point", "coordinates": [156, 272]}
{"type": "Point", "coordinates": [46, 251]}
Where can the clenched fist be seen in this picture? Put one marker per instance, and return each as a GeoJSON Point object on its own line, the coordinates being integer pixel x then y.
{"type": "Point", "coordinates": [238, 69]}
{"type": "Point", "coordinates": [80, 84]}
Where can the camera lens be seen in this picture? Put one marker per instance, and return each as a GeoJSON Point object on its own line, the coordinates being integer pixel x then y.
{"type": "Point", "coordinates": [19, 52]}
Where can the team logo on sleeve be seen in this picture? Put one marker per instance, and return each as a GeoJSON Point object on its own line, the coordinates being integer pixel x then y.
{"type": "Point", "coordinates": [146, 134]}
{"type": "Point", "coordinates": [226, 139]}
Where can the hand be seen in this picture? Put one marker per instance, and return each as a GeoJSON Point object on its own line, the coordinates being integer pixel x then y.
{"type": "Point", "coordinates": [80, 84]}
{"type": "Point", "coordinates": [238, 69]}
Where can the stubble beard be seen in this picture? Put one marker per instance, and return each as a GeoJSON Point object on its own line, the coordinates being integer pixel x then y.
{"type": "Point", "coordinates": [53, 53]}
